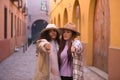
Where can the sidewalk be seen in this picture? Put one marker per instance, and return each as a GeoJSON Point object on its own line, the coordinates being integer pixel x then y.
{"type": "Point", "coordinates": [90, 74]}
{"type": "Point", "coordinates": [21, 66]}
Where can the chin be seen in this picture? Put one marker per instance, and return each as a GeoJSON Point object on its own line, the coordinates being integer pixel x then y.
{"type": "Point", "coordinates": [65, 39]}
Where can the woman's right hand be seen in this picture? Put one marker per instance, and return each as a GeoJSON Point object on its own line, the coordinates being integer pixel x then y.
{"type": "Point", "coordinates": [73, 50]}
{"type": "Point", "coordinates": [47, 47]}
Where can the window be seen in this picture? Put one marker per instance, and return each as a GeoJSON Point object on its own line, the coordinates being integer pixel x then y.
{"type": "Point", "coordinates": [5, 23]}
{"type": "Point", "coordinates": [43, 6]}
{"type": "Point", "coordinates": [11, 25]}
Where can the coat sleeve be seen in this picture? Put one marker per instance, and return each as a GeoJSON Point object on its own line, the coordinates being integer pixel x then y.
{"type": "Point", "coordinates": [40, 45]}
{"type": "Point", "coordinates": [78, 45]}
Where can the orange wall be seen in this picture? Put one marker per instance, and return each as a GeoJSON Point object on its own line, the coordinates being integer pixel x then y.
{"type": "Point", "coordinates": [115, 23]}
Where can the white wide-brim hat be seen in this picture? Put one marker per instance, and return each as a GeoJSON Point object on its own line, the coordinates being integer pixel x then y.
{"type": "Point", "coordinates": [49, 27]}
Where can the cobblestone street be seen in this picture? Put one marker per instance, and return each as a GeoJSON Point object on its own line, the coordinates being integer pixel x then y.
{"type": "Point", "coordinates": [21, 66]}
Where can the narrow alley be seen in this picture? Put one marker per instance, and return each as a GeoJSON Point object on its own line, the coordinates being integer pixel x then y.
{"type": "Point", "coordinates": [96, 21]}
{"type": "Point", "coordinates": [21, 66]}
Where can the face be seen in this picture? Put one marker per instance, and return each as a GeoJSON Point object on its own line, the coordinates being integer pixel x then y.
{"type": "Point", "coordinates": [53, 34]}
{"type": "Point", "coordinates": [67, 34]}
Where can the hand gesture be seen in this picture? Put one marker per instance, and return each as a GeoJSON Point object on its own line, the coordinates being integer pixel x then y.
{"type": "Point", "coordinates": [47, 47]}
{"type": "Point", "coordinates": [73, 51]}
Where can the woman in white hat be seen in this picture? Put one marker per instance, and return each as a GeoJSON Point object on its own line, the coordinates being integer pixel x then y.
{"type": "Point", "coordinates": [47, 47]}
{"type": "Point", "coordinates": [69, 53]}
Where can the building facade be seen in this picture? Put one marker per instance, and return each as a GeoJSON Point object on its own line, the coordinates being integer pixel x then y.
{"type": "Point", "coordinates": [98, 23]}
{"type": "Point", "coordinates": [38, 17]}
{"type": "Point", "coordinates": [12, 26]}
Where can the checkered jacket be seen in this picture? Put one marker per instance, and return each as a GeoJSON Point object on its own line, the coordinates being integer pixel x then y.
{"type": "Point", "coordinates": [77, 61]}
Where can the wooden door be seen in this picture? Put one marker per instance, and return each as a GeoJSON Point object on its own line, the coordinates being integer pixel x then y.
{"type": "Point", "coordinates": [101, 35]}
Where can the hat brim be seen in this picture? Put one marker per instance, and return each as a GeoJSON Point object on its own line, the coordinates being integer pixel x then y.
{"type": "Point", "coordinates": [47, 29]}
{"type": "Point", "coordinates": [77, 33]}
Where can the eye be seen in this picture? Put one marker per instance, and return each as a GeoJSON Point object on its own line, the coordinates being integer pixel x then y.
{"type": "Point", "coordinates": [68, 31]}
{"type": "Point", "coordinates": [52, 31]}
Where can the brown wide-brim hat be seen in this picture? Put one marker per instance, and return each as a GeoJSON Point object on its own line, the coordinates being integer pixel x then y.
{"type": "Point", "coordinates": [72, 27]}
{"type": "Point", "coordinates": [49, 27]}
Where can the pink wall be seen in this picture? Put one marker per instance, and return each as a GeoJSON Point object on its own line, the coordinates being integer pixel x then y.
{"type": "Point", "coordinates": [8, 45]}
{"type": "Point", "coordinates": [4, 49]}
{"type": "Point", "coordinates": [114, 64]}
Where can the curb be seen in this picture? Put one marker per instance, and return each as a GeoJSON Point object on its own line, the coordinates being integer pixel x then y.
{"type": "Point", "coordinates": [99, 72]}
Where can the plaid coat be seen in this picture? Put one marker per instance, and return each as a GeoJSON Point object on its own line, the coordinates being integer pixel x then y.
{"type": "Point", "coordinates": [77, 61]}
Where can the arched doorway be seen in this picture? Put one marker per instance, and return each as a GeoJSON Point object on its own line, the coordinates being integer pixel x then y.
{"type": "Point", "coordinates": [101, 32]}
{"type": "Point", "coordinates": [37, 26]}
{"type": "Point", "coordinates": [65, 17]}
{"type": "Point", "coordinates": [54, 20]}
{"type": "Point", "coordinates": [76, 15]}
{"type": "Point", "coordinates": [59, 21]}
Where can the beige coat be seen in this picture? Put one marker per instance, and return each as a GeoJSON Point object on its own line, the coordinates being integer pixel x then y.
{"type": "Point", "coordinates": [47, 64]}
{"type": "Point", "coordinates": [42, 67]}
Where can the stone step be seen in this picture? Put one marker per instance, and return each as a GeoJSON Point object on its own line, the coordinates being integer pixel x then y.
{"type": "Point", "coordinates": [99, 72]}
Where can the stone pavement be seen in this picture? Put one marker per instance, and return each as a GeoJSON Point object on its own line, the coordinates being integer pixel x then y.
{"type": "Point", "coordinates": [21, 66]}
{"type": "Point", "coordinates": [92, 75]}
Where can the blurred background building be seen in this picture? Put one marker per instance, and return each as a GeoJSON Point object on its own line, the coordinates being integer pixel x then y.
{"type": "Point", "coordinates": [37, 19]}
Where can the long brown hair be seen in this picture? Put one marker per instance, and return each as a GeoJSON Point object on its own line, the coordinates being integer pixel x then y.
{"type": "Point", "coordinates": [62, 45]}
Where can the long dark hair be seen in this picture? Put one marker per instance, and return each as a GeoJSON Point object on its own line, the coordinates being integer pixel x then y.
{"type": "Point", "coordinates": [62, 45]}
{"type": "Point", "coordinates": [46, 36]}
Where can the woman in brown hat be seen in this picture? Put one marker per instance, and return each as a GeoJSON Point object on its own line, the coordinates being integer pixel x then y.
{"type": "Point", "coordinates": [47, 48]}
{"type": "Point", "coordinates": [69, 53]}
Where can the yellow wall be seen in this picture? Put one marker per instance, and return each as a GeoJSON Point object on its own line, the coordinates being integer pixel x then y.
{"type": "Point", "coordinates": [53, 4]}
{"type": "Point", "coordinates": [90, 32]}
{"type": "Point", "coordinates": [84, 16]}
{"type": "Point", "coordinates": [86, 21]}
{"type": "Point", "coordinates": [86, 29]}
{"type": "Point", "coordinates": [115, 23]}
{"type": "Point", "coordinates": [84, 8]}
